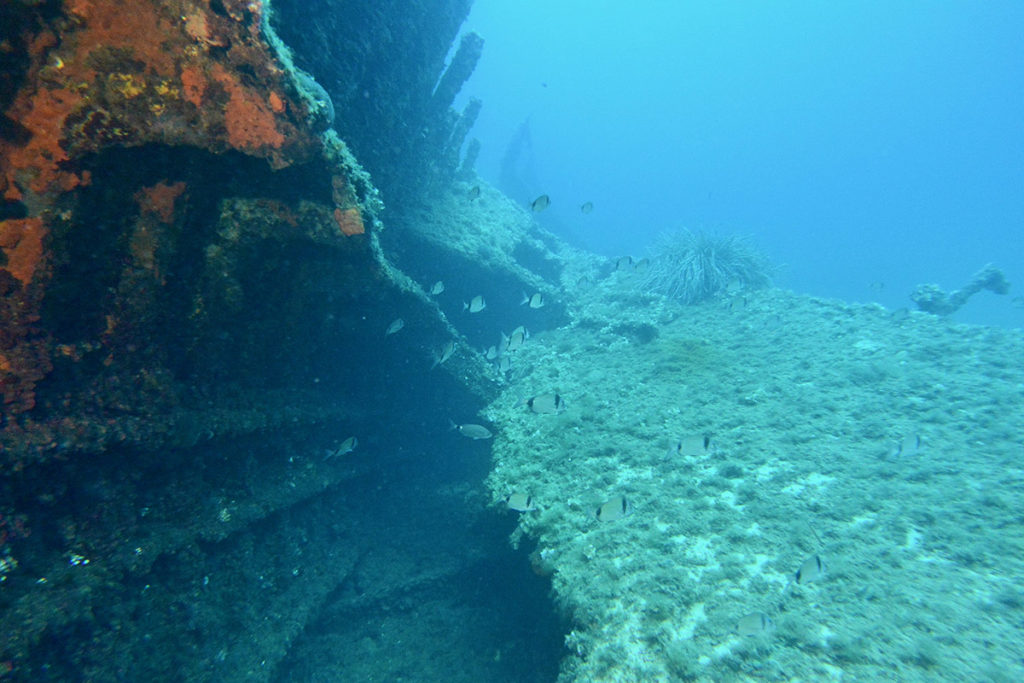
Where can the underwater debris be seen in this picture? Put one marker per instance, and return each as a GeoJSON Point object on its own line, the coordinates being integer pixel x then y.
{"type": "Point", "coordinates": [931, 299]}
{"type": "Point", "coordinates": [460, 68]}
{"type": "Point", "coordinates": [693, 266]}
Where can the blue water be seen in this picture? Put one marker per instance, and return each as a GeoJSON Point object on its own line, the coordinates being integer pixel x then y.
{"type": "Point", "coordinates": [866, 146]}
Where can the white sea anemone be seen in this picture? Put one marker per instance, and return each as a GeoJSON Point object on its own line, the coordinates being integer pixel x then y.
{"type": "Point", "coordinates": [693, 266]}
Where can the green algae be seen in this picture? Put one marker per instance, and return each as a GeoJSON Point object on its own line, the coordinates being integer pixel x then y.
{"type": "Point", "coordinates": [684, 357]}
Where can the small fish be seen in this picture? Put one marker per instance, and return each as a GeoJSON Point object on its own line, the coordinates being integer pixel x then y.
{"type": "Point", "coordinates": [347, 446]}
{"type": "Point", "coordinates": [437, 288]}
{"type": "Point", "coordinates": [473, 431]}
{"type": "Point", "coordinates": [395, 326]}
{"type": "Point", "coordinates": [1017, 302]}
{"type": "Point", "coordinates": [624, 263]}
{"type": "Point", "coordinates": [504, 364]}
{"type": "Point", "coordinates": [520, 502]}
{"type": "Point", "coordinates": [877, 286]}
{"type": "Point", "coordinates": [443, 354]}
{"type": "Point", "coordinates": [908, 446]}
{"type": "Point", "coordinates": [755, 624]}
{"type": "Point", "coordinates": [691, 446]}
{"type": "Point", "coordinates": [616, 508]}
{"type": "Point", "coordinates": [737, 303]}
{"type": "Point", "coordinates": [475, 305]}
{"type": "Point", "coordinates": [535, 301]}
{"type": "Point", "coordinates": [546, 404]}
{"type": "Point", "coordinates": [642, 265]}
{"type": "Point", "coordinates": [512, 343]}
{"type": "Point", "coordinates": [474, 193]}
{"type": "Point", "coordinates": [587, 207]}
{"type": "Point", "coordinates": [491, 353]}
{"type": "Point", "coordinates": [540, 203]}
{"type": "Point", "coordinates": [811, 570]}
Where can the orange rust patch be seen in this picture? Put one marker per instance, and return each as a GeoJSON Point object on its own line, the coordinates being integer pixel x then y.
{"type": "Point", "coordinates": [96, 73]}
{"type": "Point", "coordinates": [195, 26]}
{"type": "Point", "coordinates": [159, 199]}
{"type": "Point", "coordinates": [193, 84]}
{"type": "Point", "coordinates": [43, 114]}
{"type": "Point", "coordinates": [276, 103]}
{"type": "Point", "coordinates": [62, 73]}
{"type": "Point", "coordinates": [42, 42]}
{"type": "Point", "coordinates": [349, 221]}
{"type": "Point", "coordinates": [22, 242]}
{"type": "Point", "coordinates": [80, 8]}
{"type": "Point", "coordinates": [249, 120]}
{"type": "Point", "coordinates": [138, 27]}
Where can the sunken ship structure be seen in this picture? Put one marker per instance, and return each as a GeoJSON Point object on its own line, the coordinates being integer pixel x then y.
{"type": "Point", "coordinates": [211, 212]}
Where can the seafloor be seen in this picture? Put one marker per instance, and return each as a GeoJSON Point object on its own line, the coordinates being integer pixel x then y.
{"type": "Point", "coordinates": [887, 443]}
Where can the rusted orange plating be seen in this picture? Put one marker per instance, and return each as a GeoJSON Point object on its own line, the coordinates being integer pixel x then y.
{"type": "Point", "coordinates": [127, 73]}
